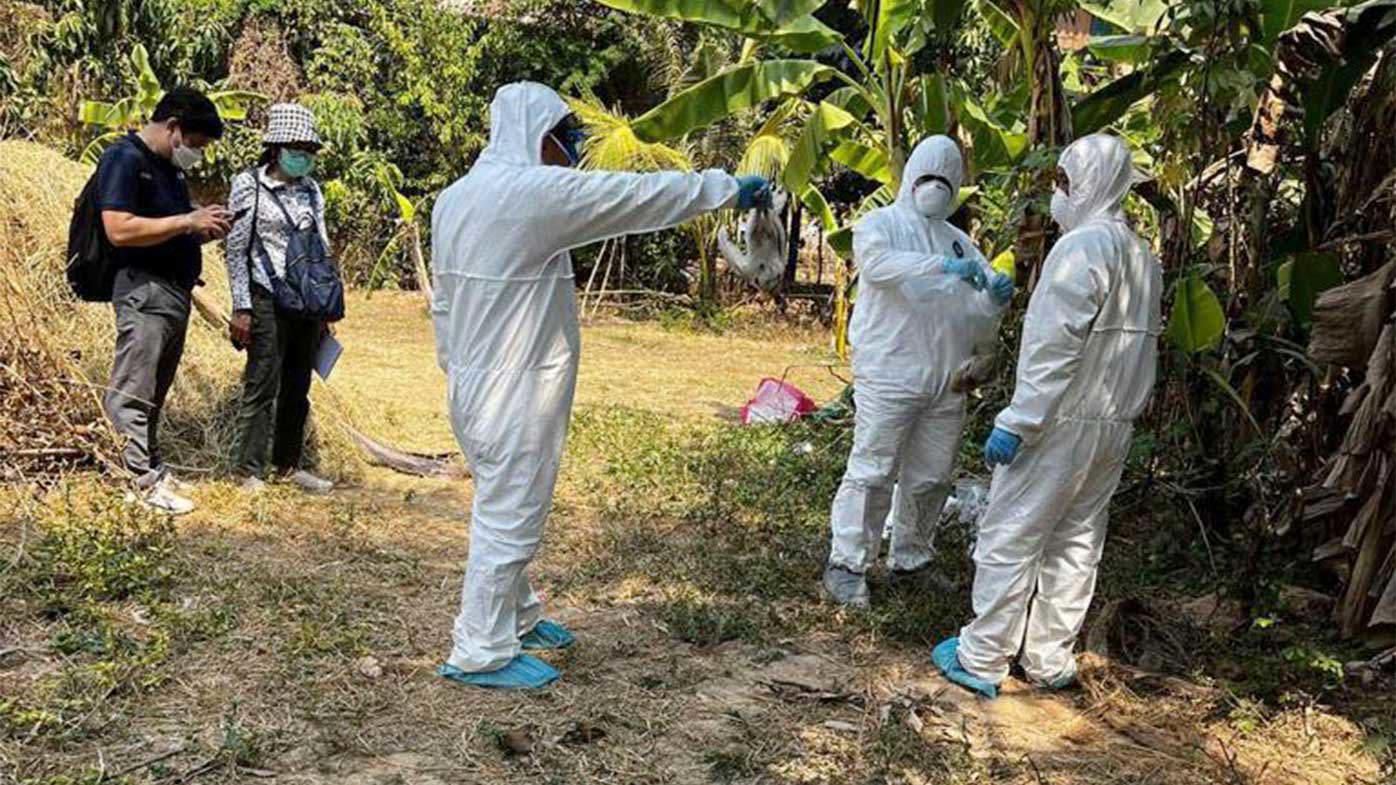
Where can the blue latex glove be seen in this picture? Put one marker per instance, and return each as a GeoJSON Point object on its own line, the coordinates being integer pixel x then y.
{"type": "Point", "coordinates": [1001, 289]}
{"type": "Point", "coordinates": [1001, 447]}
{"type": "Point", "coordinates": [946, 656]}
{"type": "Point", "coordinates": [547, 635]}
{"type": "Point", "coordinates": [966, 270]}
{"type": "Point", "coordinates": [753, 191]}
{"type": "Point", "coordinates": [524, 672]}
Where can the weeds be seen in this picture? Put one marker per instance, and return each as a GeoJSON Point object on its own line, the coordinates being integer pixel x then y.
{"type": "Point", "coordinates": [731, 763]}
{"type": "Point", "coordinates": [95, 548]}
{"type": "Point", "coordinates": [694, 618]}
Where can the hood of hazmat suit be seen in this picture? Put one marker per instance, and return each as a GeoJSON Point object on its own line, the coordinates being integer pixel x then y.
{"type": "Point", "coordinates": [913, 327]}
{"type": "Point", "coordinates": [1089, 348]}
{"type": "Point", "coordinates": [1086, 367]}
{"type": "Point", "coordinates": [505, 317]}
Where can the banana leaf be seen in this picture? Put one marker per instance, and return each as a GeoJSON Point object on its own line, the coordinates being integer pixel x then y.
{"type": "Point", "coordinates": [785, 22]}
{"type": "Point", "coordinates": [827, 122]}
{"type": "Point", "coordinates": [728, 92]}
{"type": "Point", "coordinates": [1197, 321]}
{"type": "Point", "coordinates": [1110, 102]}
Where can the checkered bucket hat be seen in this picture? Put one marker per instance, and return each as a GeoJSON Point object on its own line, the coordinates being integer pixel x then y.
{"type": "Point", "coordinates": [290, 124]}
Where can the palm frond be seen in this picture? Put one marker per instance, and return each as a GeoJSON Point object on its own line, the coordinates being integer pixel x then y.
{"type": "Point", "coordinates": [666, 60]}
{"type": "Point", "coordinates": [766, 155]}
{"type": "Point", "coordinates": [611, 144]}
{"type": "Point", "coordinates": [767, 152]}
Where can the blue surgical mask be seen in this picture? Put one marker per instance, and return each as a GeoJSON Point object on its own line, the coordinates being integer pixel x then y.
{"type": "Point", "coordinates": [295, 163]}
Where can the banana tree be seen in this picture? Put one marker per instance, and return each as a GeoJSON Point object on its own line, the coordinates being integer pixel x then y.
{"type": "Point", "coordinates": [879, 107]}
{"type": "Point", "coordinates": [882, 103]}
{"type": "Point", "coordinates": [124, 114]}
{"type": "Point", "coordinates": [370, 172]}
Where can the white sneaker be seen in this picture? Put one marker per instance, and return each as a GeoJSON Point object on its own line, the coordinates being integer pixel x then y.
{"type": "Point", "coordinates": [163, 497]}
{"type": "Point", "coordinates": [253, 485]}
{"type": "Point", "coordinates": [309, 483]}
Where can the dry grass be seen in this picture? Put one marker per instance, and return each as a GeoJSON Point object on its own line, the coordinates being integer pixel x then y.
{"type": "Point", "coordinates": [677, 371]}
{"type": "Point", "coordinates": [296, 637]}
{"type": "Point", "coordinates": [299, 636]}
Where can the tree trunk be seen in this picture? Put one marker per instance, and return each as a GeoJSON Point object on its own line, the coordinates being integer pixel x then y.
{"type": "Point", "coordinates": [1049, 125]}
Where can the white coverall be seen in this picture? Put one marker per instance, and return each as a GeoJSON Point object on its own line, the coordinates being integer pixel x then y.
{"type": "Point", "coordinates": [505, 317]}
{"type": "Point", "coordinates": [1085, 371]}
{"type": "Point", "coordinates": [914, 325]}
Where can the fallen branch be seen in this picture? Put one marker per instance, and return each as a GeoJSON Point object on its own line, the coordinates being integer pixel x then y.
{"type": "Point", "coordinates": [794, 690]}
{"type": "Point", "coordinates": [443, 465]}
{"type": "Point", "coordinates": [147, 763]}
{"type": "Point", "coordinates": [46, 452]}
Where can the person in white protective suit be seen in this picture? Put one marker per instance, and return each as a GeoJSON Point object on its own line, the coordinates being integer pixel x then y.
{"type": "Point", "coordinates": [927, 299]}
{"type": "Point", "coordinates": [505, 316]}
{"type": "Point", "coordinates": [1086, 368]}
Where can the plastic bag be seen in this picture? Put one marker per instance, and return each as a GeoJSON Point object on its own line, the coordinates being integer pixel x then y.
{"type": "Point", "coordinates": [967, 504]}
{"type": "Point", "coordinates": [776, 401]}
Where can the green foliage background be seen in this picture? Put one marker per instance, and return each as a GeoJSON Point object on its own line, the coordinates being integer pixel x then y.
{"type": "Point", "coordinates": [401, 82]}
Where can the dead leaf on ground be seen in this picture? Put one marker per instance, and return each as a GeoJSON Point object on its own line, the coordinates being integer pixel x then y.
{"type": "Point", "coordinates": [369, 667]}
{"type": "Point", "coordinates": [913, 721]}
{"type": "Point", "coordinates": [518, 741]}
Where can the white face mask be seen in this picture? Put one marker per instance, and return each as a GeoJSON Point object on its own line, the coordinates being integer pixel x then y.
{"type": "Point", "coordinates": [184, 157]}
{"type": "Point", "coordinates": [933, 199]}
{"type": "Point", "coordinates": [1062, 211]}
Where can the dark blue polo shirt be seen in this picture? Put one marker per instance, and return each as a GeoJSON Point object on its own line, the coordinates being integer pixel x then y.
{"type": "Point", "coordinates": [132, 179]}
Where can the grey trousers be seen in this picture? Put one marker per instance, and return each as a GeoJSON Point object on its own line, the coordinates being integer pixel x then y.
{"type": "Point", "coordinates": [152, 315]}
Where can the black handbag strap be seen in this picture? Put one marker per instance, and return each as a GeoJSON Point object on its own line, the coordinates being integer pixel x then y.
{"type": "Point", "coordinates": [289, 220]}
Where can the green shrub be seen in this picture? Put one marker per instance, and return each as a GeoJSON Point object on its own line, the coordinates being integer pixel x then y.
{"type": "Point", "coordinates": [99, 548]}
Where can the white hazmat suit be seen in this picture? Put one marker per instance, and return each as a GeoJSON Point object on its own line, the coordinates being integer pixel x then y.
{"type": "Point", "coordinates": [913, 327]}
{"type": "Point", "coordinates": [1086, 368]}
{"type": "Point", "coordinates": [505, 316]}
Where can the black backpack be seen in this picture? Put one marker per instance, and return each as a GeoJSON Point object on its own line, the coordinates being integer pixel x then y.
{"type": "Point", "coordinates": [91, 263]}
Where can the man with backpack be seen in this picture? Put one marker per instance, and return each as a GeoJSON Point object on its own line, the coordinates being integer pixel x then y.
{"type": "Point", "coordinates": [154, 235]}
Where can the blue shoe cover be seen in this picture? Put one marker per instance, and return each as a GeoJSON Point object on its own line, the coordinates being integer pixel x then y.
{"type": "Point", "coordinates": [522, 673]}
{"type": "Point", "coordinates": [548, 635]}
{"type": "Point", "coordinates": [946, 656]}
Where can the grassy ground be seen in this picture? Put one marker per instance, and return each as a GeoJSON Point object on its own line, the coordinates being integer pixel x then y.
{"type": "Point", "coordinates": [296, 639]}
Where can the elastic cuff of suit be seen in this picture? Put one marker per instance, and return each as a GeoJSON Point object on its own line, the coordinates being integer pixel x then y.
{"type": "Point", "coordinates": [995, 676]}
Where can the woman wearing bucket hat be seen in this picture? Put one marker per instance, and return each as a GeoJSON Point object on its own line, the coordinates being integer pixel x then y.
{"type": "Point", "coordinates": [279, 217]}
